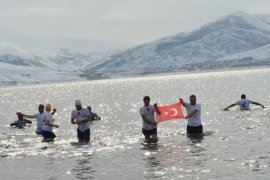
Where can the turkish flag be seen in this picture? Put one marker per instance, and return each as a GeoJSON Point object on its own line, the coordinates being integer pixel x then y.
{"type": "Point", "coordinates": [169, 112]}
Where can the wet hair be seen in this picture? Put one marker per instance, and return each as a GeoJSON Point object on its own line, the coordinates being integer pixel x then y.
{"type": "Point", "coordinates": [146, 98]}
{"type": "Point", "coordinates": [192, 96]}
{"type": "Point", "coordinates": [20, 116]}
{"type": "Point", "coordinates": [243, 96]}
{"type": "Point", "coordinates": [41, 105]}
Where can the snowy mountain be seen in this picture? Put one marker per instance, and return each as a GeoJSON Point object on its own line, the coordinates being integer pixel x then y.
{"type": "Point", "coordinates": [232, 38]}
{"type": "Point", "coordinates": [32, 65]}
{"type": "Point", "coordinates": [237, 40]}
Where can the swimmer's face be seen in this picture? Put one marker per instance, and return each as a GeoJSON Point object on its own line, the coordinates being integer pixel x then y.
{"type": "Point", "coordinates": [20, 116]}
{"type": "Point", "coordinates": [41, 108]}
{"type": "Point", "coordinates": [146, 102]}
{"type": "Point", "coordinates": [78, 107]}
{"type": "Point", "coordinates": [193, 100]}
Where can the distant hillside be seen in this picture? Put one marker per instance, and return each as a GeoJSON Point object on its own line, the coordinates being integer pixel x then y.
{"type": "Point", "coordinates": [24, 65]}
{"type": "Point", "coordinates": [237, 40]}
{"type": "Point", "coordinates": [231, 39]}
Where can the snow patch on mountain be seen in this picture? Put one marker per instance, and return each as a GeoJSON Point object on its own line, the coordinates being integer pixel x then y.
{"type": "Point", "coordinates": [228, 36]}
{"type": "Point", "coordinates": [236, 40]}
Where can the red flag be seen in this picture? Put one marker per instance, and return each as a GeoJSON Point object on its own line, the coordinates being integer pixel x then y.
{"type": "Point", "coordinates": [169, 112]}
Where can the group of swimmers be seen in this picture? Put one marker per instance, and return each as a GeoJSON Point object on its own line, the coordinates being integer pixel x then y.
{"type": "Point", "coordinates": [82, 117]}
{"type": "Point", "coordinates": [193, 109]}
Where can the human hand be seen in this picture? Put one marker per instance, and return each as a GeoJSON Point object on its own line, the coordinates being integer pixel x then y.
{"type": "Point", "coordinates": [181, 100]}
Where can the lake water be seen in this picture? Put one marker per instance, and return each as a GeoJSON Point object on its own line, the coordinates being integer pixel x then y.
{"type": "Point", "coordinates": [236, 144]}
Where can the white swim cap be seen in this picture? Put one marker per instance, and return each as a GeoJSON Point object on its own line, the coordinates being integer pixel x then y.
{"type": "Point", "coordinates": [78, 103]}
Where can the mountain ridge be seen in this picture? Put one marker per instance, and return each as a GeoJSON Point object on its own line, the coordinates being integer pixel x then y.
{"type": "Point", "coordinates": [235, 40]}
{"type": "Point", "coordinates": [232, 34]}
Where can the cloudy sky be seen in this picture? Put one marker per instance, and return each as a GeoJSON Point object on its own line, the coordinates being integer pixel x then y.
{"type": "Point", "coordinates": [127, 21]}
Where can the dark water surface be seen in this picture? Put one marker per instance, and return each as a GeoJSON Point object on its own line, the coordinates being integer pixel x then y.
{"type": "Point", "coordinates": [236, 144]}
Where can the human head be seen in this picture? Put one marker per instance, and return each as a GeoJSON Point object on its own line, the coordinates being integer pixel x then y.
{"type": "Point", "coordinates": [41, 108]}
{"type": "Point", "coordinates": [20, 116]}
{"type": "Point", "coordinates": [146, 100]}
{"type": "Point", "coordinates": [243, 96]}
{"type": "Point", "coordinates": [89, 108]}
{"type": "Point", "coordinates": [48, 107]}
{"type": "Point", "coordinates": [192, 99]}
{"type": "Point", "coordinates": [78, 104]}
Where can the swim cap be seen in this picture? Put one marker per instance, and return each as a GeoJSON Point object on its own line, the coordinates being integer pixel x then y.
{"type": "Point", "coordinates": [78, 103]}
{"type": "Point", "coordinates": [48, 106]}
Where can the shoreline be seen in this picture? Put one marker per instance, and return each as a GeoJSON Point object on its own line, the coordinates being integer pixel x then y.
{"type": "Point", "coordinates": [119, 77]}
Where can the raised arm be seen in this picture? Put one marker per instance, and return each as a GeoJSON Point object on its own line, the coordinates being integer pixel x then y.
{"type": "Point", "coordinates": [227, 108]}
{"type": "Point", "coordinates": [54, 111]}
{"type": "Point", "coordinates": [182, 102]}
{"type": "Point", "coordinates": [156, 109]}
{"type": "Point", "coordinates": [258, 104]}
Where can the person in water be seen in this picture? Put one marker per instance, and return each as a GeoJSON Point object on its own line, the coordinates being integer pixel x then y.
{"type": "Point", "coordinates": [243, 103]}
{"type": "Point", "coordinates": [94, 116]}
{"type": "Point", "coordinates": [48, 124]}
{"type": "Point", "coordinates": [149, 125]}
{"type": "Point", "coordinates": [21, 122]}
{"type": "Point", "coordinates": [193, 109]}
{"type": "Point", "coordinates": [82, 118]}
{"type": "Point", "coordinates": [38, 117]}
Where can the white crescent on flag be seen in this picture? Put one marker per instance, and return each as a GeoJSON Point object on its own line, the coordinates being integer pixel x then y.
{"type": "Point", "coordinates": [175, 112]}
{"type": "Point", "coordinates": [169, 112]}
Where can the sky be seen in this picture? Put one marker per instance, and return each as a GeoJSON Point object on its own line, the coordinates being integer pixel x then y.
{"type": "Point", "coordinates": [126, 21]}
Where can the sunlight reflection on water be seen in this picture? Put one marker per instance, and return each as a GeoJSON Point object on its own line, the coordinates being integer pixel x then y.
{"type": "Point", "coordinates": [235, 143]}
